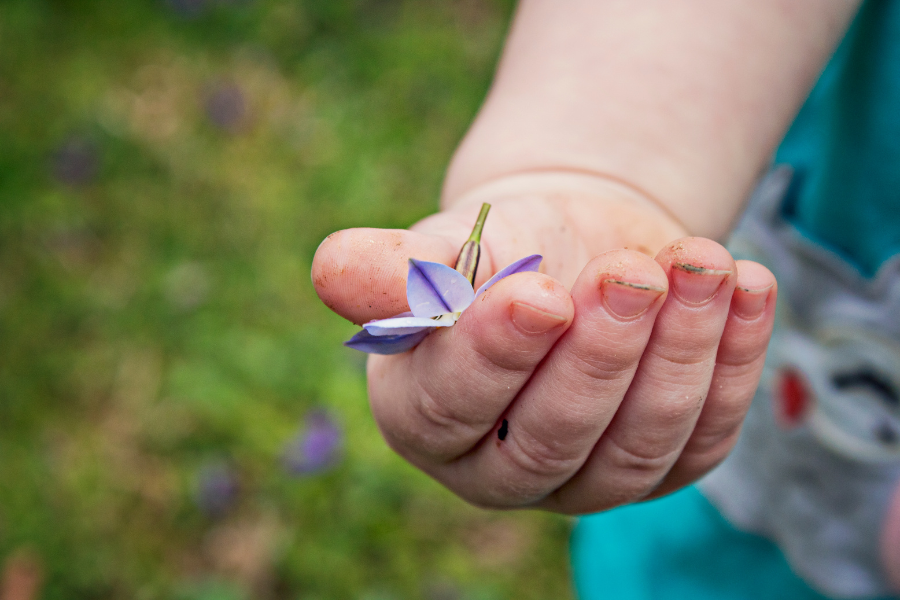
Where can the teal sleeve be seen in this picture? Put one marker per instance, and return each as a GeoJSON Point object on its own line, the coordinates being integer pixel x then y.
{"type": "Point", "coordinates": [845, 145]}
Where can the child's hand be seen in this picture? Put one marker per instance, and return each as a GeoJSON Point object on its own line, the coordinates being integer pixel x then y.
{"type": "Point", "coordinates": [608, 125]}
{"type": "Point", "coordinates": [632, 384]}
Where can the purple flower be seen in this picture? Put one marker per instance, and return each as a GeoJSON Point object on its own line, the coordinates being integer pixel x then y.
{"type": "Point", "coordinates": [217, 488]}
{"type": "Point", "coordinates": [226, 107]}
{"type": "Point", "coordinates": [437, 296]}
{"type": "Point", "coordinates": [316, 448]}
{"type": "Point", "coordinates": [76, 162]}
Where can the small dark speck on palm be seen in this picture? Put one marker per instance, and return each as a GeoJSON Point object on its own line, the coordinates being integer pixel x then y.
{"type": "Point", "coordinates": [504, 429]}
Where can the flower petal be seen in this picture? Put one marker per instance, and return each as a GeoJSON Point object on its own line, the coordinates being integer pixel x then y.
{"type": "Point", "coordinates": [529, 263]}
{"type": "Point", "coordinates": [386, 344]}
{"type": "Point", "coordinates": [434, 289]}
{"type": "Point", "coordinates": [402, 325]}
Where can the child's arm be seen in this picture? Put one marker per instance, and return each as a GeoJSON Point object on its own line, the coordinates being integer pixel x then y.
{"type": "Point", "coordinates": [683, 102]}
{"type": "Point", "coordinates": [610, 125]}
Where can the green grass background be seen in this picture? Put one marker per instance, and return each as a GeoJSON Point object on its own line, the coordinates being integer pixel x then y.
{"type": "Point", "coordinates": [158, 316]}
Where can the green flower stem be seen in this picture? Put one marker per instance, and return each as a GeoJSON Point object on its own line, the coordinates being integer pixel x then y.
{"type": "Point", "coordinates": [479, 223]}
{"type": "Point", "coordinates": [469, 255]}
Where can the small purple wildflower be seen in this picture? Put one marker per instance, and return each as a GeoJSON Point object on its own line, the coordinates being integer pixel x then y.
{"type": "Point", "coordinates": [226, 107]}
{"type": "Point", "coordinates": [75, 162]}
{"type": "Point", "coordinates": [316, 448]}
{"type": "Point", "coordinates": [217, 489]}
{"type": "Point", "coordinates": [437, 295]}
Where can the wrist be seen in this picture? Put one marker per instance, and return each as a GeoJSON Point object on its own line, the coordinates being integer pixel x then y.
{"type": "Point", "coordinates": [610, 211]}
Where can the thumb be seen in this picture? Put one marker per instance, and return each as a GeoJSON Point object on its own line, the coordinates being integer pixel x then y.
{"type": "Point", "coordinates": [361, 273]}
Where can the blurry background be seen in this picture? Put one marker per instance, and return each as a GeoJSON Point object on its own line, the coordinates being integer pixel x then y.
{"type": "Point", "coordinates": [178, 418]}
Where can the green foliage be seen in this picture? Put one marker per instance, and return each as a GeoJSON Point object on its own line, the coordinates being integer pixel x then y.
{"type": "Point", "coordinates": [167, 169]}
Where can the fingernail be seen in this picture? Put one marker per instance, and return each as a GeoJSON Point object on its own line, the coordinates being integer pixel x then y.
{"type": "Point", "coordinates": [696, 285]}
{"type": "Point", "coordinates": [749, 304]}
{"type": "Point", "coordinates": [628, 300]}
{"type": "Point", "coordinates": [534, 320]}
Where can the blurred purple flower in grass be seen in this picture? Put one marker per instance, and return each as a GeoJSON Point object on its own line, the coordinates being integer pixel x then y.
{"type": "Point", "coordinates": [226, 107]}
{"type": "Point", "coordinates": [317, 447]}
{"type": "Point", "coordinates": [217, 488]}
{"type": "Point", "coordinates": [76, 161]}
{"type": "Point", "coordinates": [437, 295]}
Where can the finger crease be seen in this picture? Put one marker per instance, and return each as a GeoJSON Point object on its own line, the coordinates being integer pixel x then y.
{"type": "Point", "coordinates": [597, 369]}
{"type": "Point", "coordinates": [689, 360]}
{"type": "Point", "coordinates": [537, 458]}
{"type": "Point", "coordinates": [434, 413]}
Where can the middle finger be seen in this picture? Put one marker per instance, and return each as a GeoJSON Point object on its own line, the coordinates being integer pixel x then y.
{"type": "Point", "coordinates": [558, 416]}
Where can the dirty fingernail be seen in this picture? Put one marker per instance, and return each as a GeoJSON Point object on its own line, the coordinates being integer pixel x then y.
{"type": "Point", "coordinates": [749, 304]}
{"type": "Point", "coordinates": [534, 320]}
{"type": "Point", "coordinates": [628, 300]}
{"type": "Point", "coordinates": [696, 285]}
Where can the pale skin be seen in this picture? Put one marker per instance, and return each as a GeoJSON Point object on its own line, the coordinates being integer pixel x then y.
{"type": "Point", "coordinates": [619, 140]}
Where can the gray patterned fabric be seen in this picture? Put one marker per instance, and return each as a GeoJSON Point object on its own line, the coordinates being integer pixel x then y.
{"type": "Point", "coordinates": [821, 485]}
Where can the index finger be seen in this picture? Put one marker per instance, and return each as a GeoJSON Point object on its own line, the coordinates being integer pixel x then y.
{"type": "Point", "coordinates": [435, 403]}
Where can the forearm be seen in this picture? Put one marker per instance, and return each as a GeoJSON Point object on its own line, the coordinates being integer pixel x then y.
{"type": "Point", "coordinates": [674, 103]}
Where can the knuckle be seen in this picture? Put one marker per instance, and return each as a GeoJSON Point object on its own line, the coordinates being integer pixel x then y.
{"type": "Point", "coordinates": [435, 430]}
{"type": "Point", "coordinates": [493, 360]}
{"type": "Point", "coordinates": [729, 400]}
{"type": "Point", "coordinates": [681, 357]}
{"type": "Point", "coordinates": [603, 367]}
{"type": "Point", "coordinates": [747, 355]}
{"type": "Point", "coordinates": [419, 424]}
{"type": "Point", "coordinates": [642, 468]}
{"type": "Point", "coordinates": [431, 412]}
{"type": "Point", "coordinates": [541, 459]}
{"type": "Point", "coordinates": [708, 449]}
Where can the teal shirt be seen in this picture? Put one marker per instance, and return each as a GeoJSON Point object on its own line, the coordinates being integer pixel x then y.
{"type": "Point", "coordinates": [845, 148]}
{"type": "Point", "coordinates": [678, 548]}
{"type": "Point", "coordinates": [845, 145]}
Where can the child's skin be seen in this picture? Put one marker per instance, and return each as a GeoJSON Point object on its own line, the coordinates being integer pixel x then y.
{"type": "Point", "coordinates": [612, 129]}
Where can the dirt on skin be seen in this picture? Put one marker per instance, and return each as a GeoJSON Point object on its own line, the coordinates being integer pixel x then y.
{"type": "Point", "coordinates": [361, 273]}
{"type": "Point", "coordinates": [691, 256]}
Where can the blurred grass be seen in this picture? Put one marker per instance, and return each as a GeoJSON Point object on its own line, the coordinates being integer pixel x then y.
{"type": "Point", "coordinates": [167, 170]}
